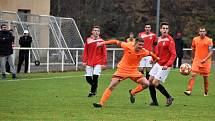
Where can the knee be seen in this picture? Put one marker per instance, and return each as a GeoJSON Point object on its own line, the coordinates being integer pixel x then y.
{"type": "Point", "coordinates": [111, 88]}
{"type": "Point", "coordinates": [113, 85]}
{"type": "Point", "coordinates": [155, 83]}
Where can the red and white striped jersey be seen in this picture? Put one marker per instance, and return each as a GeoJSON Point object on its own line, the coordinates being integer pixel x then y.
{"type": "Point", "coordinates": [166, 51]}
{"type": "Point", "coordinates": [94, 55]}
{"type": "Point", "coordinates": [149, 40]}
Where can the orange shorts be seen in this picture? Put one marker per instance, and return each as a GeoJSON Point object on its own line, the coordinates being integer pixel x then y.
{"type": "Point", "coordinates": [202, 70]}
{"type": "Point", "coordinates": [120, 78]}
{"type": "Point", "coordinates": [128, 73]}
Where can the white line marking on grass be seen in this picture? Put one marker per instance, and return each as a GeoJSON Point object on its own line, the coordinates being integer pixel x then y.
{"type": "Point", "coordinates": [58, 77]}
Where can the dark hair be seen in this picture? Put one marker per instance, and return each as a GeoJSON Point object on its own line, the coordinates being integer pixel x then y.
{"type": "Point", "coordinates": [164, 23]}
{"type": "Point", "coordinates": [96, 27]}
{"type": "Point", "coordinates": [138, 39]}
{"type": "Point", "coordinates": [3, 25]}
{"type": "Point", "coordinates": [147, 24]}
{"type": "Point", "coordinates": [202, 27]}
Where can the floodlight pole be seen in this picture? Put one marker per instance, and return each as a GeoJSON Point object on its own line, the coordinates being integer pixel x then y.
{"type": "Point", "coordinates": [157, 17]}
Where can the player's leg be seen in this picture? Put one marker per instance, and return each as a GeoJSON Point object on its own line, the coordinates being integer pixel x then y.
{"type": "Point", "coordinates": [136, 90]}
{"type": "Point", "coordinates": [147, 72]}
{"type": "Point", "coordinates": [96, 73]}
{"type": "Point", "coordinates": [142, 65]}
{"type": "Point", "coordinates": [89, 79]}
{"type": "Point", "coordinates": [114, 82]}
{"type": "Point", "coordinates": [142, 84]}
{"type": "Point", "coordinates": [139, 88]}
{"type": "Point", "coordinates": [206, 73]}
{"type": "Point", "coordinates": [160, 77]}
{"type": "Point", "coordinates": [152, 90]}
{"type": "Point", "coordinates": [151, 87]}
{"type": "Point", "coordinates": [205, 85]}
{"type": "Point", "coordinates": [190, 84]}
{"type": "Point", "coordinates": [148, 65]}
{"type": "Point", "coordinates": [95, 83]}
{"type": "Point", "coordinates": [162, 89]}
{"type": "Point", "coordinates": [195, 70]}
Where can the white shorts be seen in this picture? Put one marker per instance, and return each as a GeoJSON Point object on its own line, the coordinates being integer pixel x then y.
{"type": "Point", "coordinates": [146, 62]}
{"type": "Point", "coordinates": [158, 73]}
{"type": "Point", "coordinates": [93, 70]}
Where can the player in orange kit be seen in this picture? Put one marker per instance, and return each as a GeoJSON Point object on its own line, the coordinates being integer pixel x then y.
{"type": "Point", "coordinates": [202, 50]}
{"type": "Point", "coordinates": [127, 67]}
{"type": "Point", "coordinates": [159, 72]}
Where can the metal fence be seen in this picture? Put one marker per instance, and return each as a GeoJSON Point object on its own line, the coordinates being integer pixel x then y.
{"type": "Point", "coordinates": [50, 64]}
{"type": "Point", "coordinates": [46, 32]}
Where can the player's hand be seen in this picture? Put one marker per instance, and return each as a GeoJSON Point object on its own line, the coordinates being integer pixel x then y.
{"type": "Point", "coordinates": [103, 67]}
{"type": "Point", "coordinates": [99, 44]}
{"type": "Point", "coordinates": [84, 64]}
{"type": "Point", "coordinates": [152, 61]}
{"type": "Point", "coordinates": [203, 61]}
{"type": "Point", "coordinates": [192, 60]}
{"type": "Point", "coordinates": [164, 68]}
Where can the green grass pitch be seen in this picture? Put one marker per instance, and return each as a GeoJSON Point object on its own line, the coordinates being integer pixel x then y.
{"type": "Point", "coordinates": [63, 97]}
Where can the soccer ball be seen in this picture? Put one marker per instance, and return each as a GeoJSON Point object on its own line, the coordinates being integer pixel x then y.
{"type": "Point", "coordinates": [185, 69]}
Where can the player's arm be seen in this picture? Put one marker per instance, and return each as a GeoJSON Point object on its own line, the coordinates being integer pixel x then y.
{"type": "Point", "coordinates": [117, 42]}
{"type": "Point", "coordinates": [154, 56]}
{"type": "Point", "coordinates": [154, 43]}
{"type": "Point", "coordinates": [172, 53]}
{"type": "Point", "coordinates": [193, 53]}
{"type": "Point", "coordinates": [85, 55]}
{"type": "Point", "coordinates": [193, 50]}
{"type": "Point", "coordinates": [210, 49]}
{"type": "Point", "coordinates": [104, 62]}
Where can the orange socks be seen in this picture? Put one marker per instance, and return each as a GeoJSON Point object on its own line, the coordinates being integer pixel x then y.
{"type": "Point", "coordinates": [190, 84]}
{"type": "Point", "coordinates": [206, 86]}
{"type": "Point", "coordinates": [139, 88]}
{"type": "Point", "coordinates": [105, 96]}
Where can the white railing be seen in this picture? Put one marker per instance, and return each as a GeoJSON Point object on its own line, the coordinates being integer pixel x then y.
{"type": "Point", "coordinates": [77, 61]}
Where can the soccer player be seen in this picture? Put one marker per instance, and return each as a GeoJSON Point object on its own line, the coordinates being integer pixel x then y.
{"type": "Point", "coordinates": [127, 67]}
{"type": "Point", "coordinates": [149, 44]}
{"type": "Point", "coordinates": [94, 58]}
{"type": "Point", "coordinates": [159, 72]}
{"type": "Point", "coordinates": [202, 50]}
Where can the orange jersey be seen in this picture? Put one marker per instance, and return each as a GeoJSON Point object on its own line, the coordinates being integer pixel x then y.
{"type": "Point", "coordinates": [128, 65]}
{"type": "Point", "coordinates": [201, 47]}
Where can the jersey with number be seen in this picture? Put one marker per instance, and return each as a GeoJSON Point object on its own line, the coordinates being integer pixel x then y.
{"type": "Point", "coordinates": [149, 40]}
{"type": "Point", "coordinates": [94, 55]}
{"type": "Point", "coordinates": [165, 50]}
